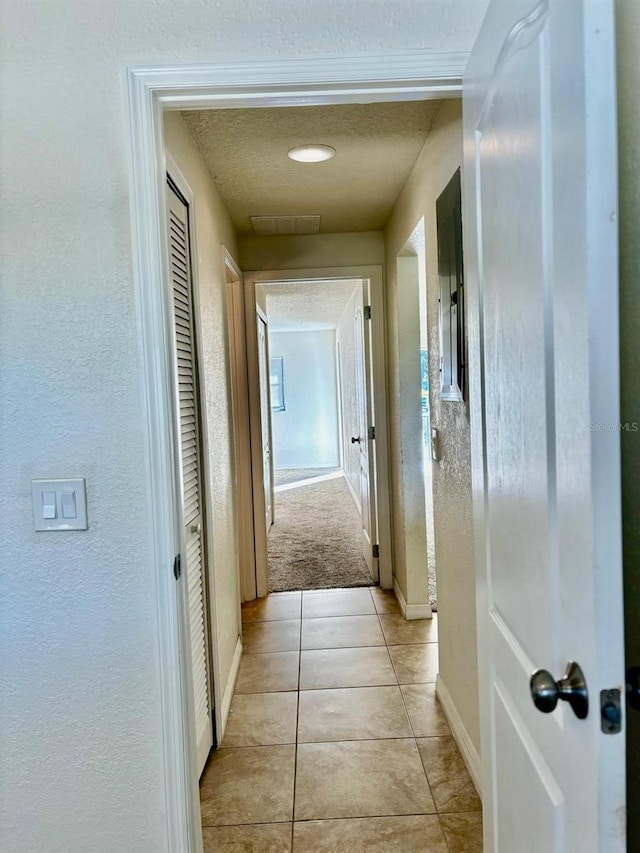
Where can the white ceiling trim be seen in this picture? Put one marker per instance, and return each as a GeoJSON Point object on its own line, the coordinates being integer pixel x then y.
{"type": "Point", "coordinates": [373, 77]}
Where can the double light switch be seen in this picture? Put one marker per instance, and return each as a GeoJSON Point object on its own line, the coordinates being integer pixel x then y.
{"type": "Point", "coordinates": [60, 504]}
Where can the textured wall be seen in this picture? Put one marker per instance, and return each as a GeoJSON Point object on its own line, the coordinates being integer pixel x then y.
{"type": "Point", "coordinates": [377, 145]}
{"type": "Point", "coordinates": [311, 250]}
{"type": "Point", "coordinates": [80, 708]}
{"type": "Point", "coordinates": [440, 157]}
{"type": "Point", "coordinates": [213, 231]}
{"type": "Point", "coordinates": [409, 494]}
{"type": "Point", "coordinates": [305, 435]}
{"type": "Point", "coordinates": [628, 27]}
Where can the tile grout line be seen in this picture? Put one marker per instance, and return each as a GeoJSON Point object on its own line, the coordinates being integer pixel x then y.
{"type": "Point", "coordinates": [295, 747]}
{"type": "Point", "coordinates": [341, 817]}
{"type": "Point", "coordinates": [415, 739]}
{"type": "Point", "coordinates": [388, 646]}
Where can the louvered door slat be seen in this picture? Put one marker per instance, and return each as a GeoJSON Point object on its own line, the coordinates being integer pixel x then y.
{"type": "Point", "coordinates": [190, 468]}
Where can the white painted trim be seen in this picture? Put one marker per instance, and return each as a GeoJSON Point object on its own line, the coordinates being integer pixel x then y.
{"type": "Point", "coordinates": [165, 534]}
{"type": "Point", "coordinates": [231, 263]}
{"type": "Point", "coordinates": [230, 686]}
{"type": "Point", "coordinates": [418, 611]}
{"type": "Point", "coordinates": [252, 313]}
{"type": "Point", "coordinates": [339, 408]}
{"type": "Point", "coordinates": [242, 444]}
{"type": "Point", "coordinates": [400, 596]}
{"type": "Point", "coordinates": [355, 497]}
{"type": "Point", "coordinates": [461, 735]}
{"type": "Point", "coordinates": [411, 611]}
{"type": "Point", "coordinates": [378, 346]}
{"type": "Point", "coordinates": [320, 80]}
{"type": "Point", "coordinates": [368, 78]}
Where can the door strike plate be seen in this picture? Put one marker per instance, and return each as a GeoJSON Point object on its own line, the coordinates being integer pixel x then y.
{"type": "Point", "coordinates": [610, 712]}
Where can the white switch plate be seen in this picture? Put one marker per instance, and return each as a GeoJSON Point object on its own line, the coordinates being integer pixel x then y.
{"type": "Point", "coordinates": [42, 490]}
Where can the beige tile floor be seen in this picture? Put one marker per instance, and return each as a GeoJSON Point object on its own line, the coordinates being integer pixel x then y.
{"type": "Point", "coordinates": [336, 742]}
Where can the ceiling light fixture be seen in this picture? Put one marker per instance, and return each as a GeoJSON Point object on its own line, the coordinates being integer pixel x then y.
{"type": "Point", "coordinates": [311, 153]}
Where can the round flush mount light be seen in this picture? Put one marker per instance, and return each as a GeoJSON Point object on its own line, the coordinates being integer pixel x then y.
{"type": "Point", "coordinates": [311, 153]}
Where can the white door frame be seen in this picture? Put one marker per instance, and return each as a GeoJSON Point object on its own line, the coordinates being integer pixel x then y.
{"type": "Point", "coordinates": [372, 274]}
{"type": "Point", "coordinates": [253, 314]}
{"type": "Point", "coordinates": [242, 441]}
{"type": "Point", "coordinates": [415, 75]}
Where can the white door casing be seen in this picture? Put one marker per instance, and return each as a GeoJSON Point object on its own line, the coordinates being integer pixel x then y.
{"type": "Point", "coordinates": [365, 420]}
{"type": "Point", "coordinates": [265, 417]}
{"type": "Point", "coordinates": [191, 471]}
{"type": "Point", "coordinates": [299, 81]}
{"type": "Point", "coordinates": [541, 263]}
{"type": "Point", "coordinates": [242, 438]}
{"type": "Point", "coordinates": [374, 385]}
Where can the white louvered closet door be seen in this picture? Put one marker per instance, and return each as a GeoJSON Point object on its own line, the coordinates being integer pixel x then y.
{"type": "Point", "coordinates": [191, 469]}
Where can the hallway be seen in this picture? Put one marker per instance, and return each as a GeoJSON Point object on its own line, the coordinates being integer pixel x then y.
{"type": "Point", "coordinates": [335, 740]}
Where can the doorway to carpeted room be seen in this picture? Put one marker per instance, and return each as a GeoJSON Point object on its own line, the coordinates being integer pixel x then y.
{"type": "Point", "coordinates": [316, 539]}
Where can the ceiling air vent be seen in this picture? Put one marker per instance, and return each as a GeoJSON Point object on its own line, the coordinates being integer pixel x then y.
{"type": "Point", "coordinates": [272, 226]}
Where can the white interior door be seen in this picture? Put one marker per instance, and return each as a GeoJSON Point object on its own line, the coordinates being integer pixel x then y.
{"type": "Point", "coordinates": [541, 243]}
{"type": "Point", "coordinates": [191, 470]}
{"type": "Point", "coordinates": [265, 417]}
{"type": "Point", "coordinates": [367, 473]}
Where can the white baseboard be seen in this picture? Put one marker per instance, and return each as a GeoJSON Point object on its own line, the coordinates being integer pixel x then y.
{"type": "Point", "coordinates": [411, 611]}
{"type": "Point", "coordinates": [461, 735]}
{"type": "Point", "coordinates": [227, 696]}
{"type": "Point", "coordinates": [356, 499]}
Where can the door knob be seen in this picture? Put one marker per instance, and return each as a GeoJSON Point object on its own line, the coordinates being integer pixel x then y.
{"type": "Point", "coordinates": [355, 439]}
{"type": "Point", "coordinates": [572, 688]}
{"type": "Point", "coordinates": [195, 528]}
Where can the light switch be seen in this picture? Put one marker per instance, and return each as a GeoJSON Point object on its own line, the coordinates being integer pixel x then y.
{"type": "Point", "coordinates": [68, 503]}
{"type": "Point", "coordinates": [59, 504]}
{"type": "Point", "coordinates": [49, 505]}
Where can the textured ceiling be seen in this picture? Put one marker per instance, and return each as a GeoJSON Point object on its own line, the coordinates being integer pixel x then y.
{"type": "Point", "coordinates": [307, 305]}
{"type": "Point", "coordinates": [376, 144]}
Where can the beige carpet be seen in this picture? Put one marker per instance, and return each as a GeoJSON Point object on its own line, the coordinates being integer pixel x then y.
{"type": "Point", "coordinates": [315, 542]}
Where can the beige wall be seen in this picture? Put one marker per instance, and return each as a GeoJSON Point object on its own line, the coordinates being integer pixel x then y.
{"type": "Point", "coordinates": [628, 31]}
{"type": "Point", "coordinates": [311, 250]}
{"type": "Point", "coordinates": [455, 568]}
{"type": "Point", "coordinates": [213, 231]}
{"type": "Point", "coordinates": [408, 496]}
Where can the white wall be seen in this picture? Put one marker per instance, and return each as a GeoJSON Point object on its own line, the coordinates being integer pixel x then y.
{"type": "Point", "coordinates": [305, 435]}
{"type": "Point", "coordinates": [80, 720]}
{"type": "Point", "coordinates": [346, 338]}
{"type": "Point", "coordinates": [213, 231]}
{"type": "Point", "coordinates": [455, 565]}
